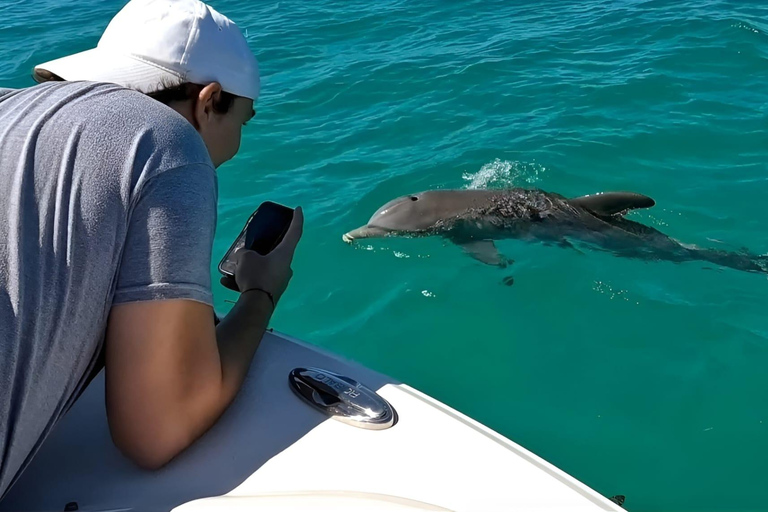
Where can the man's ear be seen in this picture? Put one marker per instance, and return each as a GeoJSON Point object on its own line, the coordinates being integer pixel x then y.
{"type": "Point", "coordinates": [204, 105]}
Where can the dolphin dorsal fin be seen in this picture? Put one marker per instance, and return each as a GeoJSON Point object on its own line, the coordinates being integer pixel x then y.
{"type": "Point", "coordinates": [613, 203]}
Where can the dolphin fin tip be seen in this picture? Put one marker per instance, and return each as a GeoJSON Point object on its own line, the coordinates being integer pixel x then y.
{"type": "Point", "coordinates": [613, 203]}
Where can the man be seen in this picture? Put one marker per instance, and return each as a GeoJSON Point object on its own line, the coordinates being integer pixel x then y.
{"type": "Point", "coordinates": [107, 217]}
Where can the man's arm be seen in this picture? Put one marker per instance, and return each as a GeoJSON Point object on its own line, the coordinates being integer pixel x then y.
{"type": "Point", "coordinates": [170, 373]}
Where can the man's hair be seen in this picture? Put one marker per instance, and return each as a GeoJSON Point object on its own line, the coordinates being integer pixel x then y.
{"type": "Point", "coordinates": [187, 91]}
{"type": "Point", "coordinates": [168, 91]}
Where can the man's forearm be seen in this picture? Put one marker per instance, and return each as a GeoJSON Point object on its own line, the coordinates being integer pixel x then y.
{"type": "Point", "coordinates": [169, 375]}
{"type": "Point", "coordinates": [239, 335]}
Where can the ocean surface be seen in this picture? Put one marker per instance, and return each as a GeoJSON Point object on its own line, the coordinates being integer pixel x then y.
{"type": "Point", "coordinates": [642, 378]}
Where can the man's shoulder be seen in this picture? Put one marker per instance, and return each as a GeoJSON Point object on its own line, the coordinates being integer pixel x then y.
{"type": "Point", "coordinates": [130, 115]}
{"type": "Point", "coordinates": [133, 107]}
{"type": "Point", "coordinates": [108, 101]}
{"type": "Point", "coordinates": [117, 123]}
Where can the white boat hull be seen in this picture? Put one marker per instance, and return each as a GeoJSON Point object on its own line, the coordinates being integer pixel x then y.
{"type": "Point", "coordinates": [272, 451]}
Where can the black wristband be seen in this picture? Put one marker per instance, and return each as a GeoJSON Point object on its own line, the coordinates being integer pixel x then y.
{"type": "Point", "coordinates": [268, 294]}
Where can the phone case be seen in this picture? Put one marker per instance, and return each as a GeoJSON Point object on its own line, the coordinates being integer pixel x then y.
{"type": "Point", "coordinates": [227, 265]}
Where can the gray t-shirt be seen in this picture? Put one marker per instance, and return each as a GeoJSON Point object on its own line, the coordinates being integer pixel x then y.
{"type": "Point", "coordinates": [106, 197]}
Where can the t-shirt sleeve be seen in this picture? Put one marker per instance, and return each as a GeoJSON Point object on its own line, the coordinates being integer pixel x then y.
{"type": "Point", "coordinates": [167, 253]}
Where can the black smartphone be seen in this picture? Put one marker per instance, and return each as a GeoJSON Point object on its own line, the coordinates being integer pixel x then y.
{"type": "Point", "coordinates": [263, 231]}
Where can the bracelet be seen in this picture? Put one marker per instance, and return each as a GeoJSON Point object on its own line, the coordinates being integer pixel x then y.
{"type": "Point", "coordinates": [268, 294]}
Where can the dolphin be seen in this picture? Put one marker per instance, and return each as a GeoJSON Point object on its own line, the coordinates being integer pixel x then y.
{"type": "Point", "coordinates": [473, 219]}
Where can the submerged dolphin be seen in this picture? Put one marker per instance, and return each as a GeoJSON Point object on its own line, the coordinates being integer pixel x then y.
{"type": "Point", "coordinates": [472, 219]}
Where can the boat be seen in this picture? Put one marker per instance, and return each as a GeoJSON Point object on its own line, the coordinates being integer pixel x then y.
{"type": "Point", "coordinates": [309, 430]}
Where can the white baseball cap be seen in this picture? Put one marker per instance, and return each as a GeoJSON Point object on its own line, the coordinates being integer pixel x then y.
{"type": "Point", "coordinates": [151, 43]}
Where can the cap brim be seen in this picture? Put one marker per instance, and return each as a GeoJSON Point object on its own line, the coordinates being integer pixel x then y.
{"type": "Point", "coordinates": [98, 65]}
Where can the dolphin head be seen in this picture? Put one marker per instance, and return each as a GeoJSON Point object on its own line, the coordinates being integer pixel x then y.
{"type": "Point", "coordinates": [412, 214]}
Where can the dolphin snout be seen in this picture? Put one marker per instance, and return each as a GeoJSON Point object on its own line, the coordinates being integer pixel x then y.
{"type": "Point", "coordinates": [362, 232]}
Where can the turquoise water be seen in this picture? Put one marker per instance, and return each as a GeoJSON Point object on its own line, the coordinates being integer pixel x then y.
{"type": "Point", "coordinates": [648, 379]}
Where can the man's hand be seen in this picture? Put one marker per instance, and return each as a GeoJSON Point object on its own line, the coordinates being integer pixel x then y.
{"type": "Point", "coordinates": [271, 272]}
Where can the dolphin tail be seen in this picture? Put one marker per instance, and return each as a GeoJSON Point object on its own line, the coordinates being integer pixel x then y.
{"type": "Point", "coordinates": [734, 260]}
